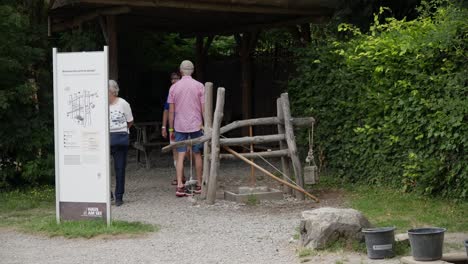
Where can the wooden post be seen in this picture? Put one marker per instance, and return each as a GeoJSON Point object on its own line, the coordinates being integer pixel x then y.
{"type": "Point", "coordinates": [214, 168]}
{"type": "Point", "coordinates": [113, 54]}
{"type": "Point", "coordinates": [246, 44]}
{"type": "Point", "coordinates": [201, 52]}
{"type": "Point", "coordinates": [283, 145]}
{"type": "Point", "coordinates": [291, 141]}
{"type": "Point", "coordinates": [253, 180]}
{"type": "Point", "coordinates": [208, 118]}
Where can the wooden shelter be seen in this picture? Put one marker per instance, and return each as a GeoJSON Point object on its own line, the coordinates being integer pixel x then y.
{"type": "Point", "coordinates": [201, 18]}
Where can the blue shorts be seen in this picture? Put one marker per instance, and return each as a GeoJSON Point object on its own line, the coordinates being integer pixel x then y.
{"type": "Point", "coordinates": [180, 136]}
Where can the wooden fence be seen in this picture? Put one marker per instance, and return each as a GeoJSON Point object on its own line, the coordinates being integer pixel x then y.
{"type": "Point", "coordinates": [213, 143]}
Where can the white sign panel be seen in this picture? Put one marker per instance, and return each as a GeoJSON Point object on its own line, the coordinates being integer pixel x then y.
{"type": "Point", "coordinates": [81, 135]}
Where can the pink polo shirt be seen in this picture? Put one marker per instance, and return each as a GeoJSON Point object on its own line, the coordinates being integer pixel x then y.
{"type": "Point", "coordinates": [188, 96]}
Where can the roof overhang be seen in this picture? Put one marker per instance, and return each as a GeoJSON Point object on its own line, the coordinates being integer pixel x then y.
{"type": "Point", "coordinates": [193, 16]}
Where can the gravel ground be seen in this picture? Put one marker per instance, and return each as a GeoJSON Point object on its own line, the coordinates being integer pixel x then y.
{"type": "Point", "coordinates": [191, 231]}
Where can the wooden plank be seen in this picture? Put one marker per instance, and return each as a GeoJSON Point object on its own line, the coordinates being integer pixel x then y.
{"type": "Point", "coordinates": [291, 141]}
{"type": "Point", "coordinates": [257, 155]}
{"type": "Point", "coordinates": [214, 168]}
{"type": "Point", "coordinates": [284, 161]}
{"type": "Point", "coordinates": [208, 122]}
{"type": "Point", "coordinates": [299, 189]}
{"type": "Point", "coordinates": [302, 121]}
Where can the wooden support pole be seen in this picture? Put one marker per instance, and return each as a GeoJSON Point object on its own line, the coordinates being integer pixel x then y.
{"type": "Point", "coordinates": [299, 189]}
{"type": "Point", "coordinates": [214, 168]}
{"type": "Point", "coordinates": [246, 43]}
{"type": "Point", "coordinates": [284, 161]}
{"type": "Point", "coordinates": [253, 180]}
{"type": "Point", "coordinates": [111, 24]}
{"type": "Point", "coordinates": [291, 141]}
{"type": "Point", "coordinates": [301, 121]}
{"type": "Point", "coordinates": [208, 122]}
{"type": "Point", "coordinates": [200, 59]}
{"type": "Point", "coordinates": [201, 53]}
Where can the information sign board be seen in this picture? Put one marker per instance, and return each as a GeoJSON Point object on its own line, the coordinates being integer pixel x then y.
{"type": "Point", "coordinates": [81, 115]}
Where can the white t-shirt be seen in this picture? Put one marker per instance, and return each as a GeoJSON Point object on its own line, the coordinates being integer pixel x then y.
{"type": "Point", "coordinates": [119, 114]}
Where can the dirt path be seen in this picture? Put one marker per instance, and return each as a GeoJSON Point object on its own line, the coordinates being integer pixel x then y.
{"type": "Point", "coordinates": [190, 233]}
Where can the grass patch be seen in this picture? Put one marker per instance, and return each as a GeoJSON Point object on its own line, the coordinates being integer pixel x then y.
{"type": "Point", "coordinates": [297, 233]}
{"type": "Point", "coordinates": [386, 206]}
{"type": "Point", "coordinates": [305, 252]}
{"type": "Point", "coordinates": [86, 229]}
{"type": "Point", "coordinates": [252, 200]}
{"type": "Point", "coordinates": [33, 211]}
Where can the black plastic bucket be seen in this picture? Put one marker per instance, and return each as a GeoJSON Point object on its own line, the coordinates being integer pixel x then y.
{"type": "Point", "coordinates": [426, 243]}
{"type": "Point", "coordinates": [379, 242]}
{"type": "Point", "coordinates": [466, 247]}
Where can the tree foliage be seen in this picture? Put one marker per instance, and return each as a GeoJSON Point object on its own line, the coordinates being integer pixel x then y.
{"type": "Point", "coordinates": [25, 133]}
{"type": "Point", "coordinates": [392, 103]}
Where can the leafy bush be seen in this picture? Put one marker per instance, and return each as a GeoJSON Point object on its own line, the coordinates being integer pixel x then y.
{"type": "Point", "coordinates": [392, 104]}
{"type": "Point", "coordinates": [25, 133]}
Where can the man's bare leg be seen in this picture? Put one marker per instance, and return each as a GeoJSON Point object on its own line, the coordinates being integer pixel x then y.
{"type": "Point", "coordinates": [198, 167]}
{"type": "Point", "coordinates": [180, 168]}
{"type": "Point", "coordinates": [175, 157]}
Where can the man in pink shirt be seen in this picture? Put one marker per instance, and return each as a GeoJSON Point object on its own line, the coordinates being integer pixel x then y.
{"type": "Point", "coordinates": [186, 105]}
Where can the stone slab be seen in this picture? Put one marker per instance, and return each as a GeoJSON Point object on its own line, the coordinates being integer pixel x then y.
{"type": "Point", "coordinates": [401, 237]}
{"type": "Point", "coordinates": [450, 258]}
{"type": "Point", "coordinates": [260, 193]}
{"type": "Point", "coordinates": [455, 257]}
{"type": "Point", "coordinates": [410, 260]}
{"type": "Point", "coordinates": [220, 195]}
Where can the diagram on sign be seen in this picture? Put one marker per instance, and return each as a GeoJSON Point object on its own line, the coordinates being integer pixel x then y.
{"type": "Point", "coordinates": [81, 105]}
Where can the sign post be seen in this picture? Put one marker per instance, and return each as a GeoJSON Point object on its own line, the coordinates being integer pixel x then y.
{"type": "Point", "coordinates": [81, 123]}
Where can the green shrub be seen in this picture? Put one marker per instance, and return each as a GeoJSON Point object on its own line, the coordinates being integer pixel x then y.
{"type": "Point", "coordinates": [391, 104]}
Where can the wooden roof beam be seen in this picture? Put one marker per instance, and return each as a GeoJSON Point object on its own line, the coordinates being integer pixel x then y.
{"type": "Point", "coordinates": [78, 20]}
{"type": "Point", "coordinates": [187, 4]}
{"type": "Point", "coordinates": [256, 27]}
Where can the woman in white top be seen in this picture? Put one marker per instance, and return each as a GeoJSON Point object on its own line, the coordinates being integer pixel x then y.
{"type": "Point", "coordinates": [121, 119]}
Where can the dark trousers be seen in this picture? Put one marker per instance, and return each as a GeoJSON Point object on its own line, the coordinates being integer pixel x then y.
{"type": "Point", "coordinates": [119, 154]}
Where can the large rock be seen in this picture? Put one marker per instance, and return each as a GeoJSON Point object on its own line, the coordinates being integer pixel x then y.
{"type": "Point", "coordinates": [323, 226]}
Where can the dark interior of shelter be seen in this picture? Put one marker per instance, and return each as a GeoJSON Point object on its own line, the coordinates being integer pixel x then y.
{"type": "Point", "coordinates": [148, 39]}
{"type": "Point", "coordinates": [145, 81]}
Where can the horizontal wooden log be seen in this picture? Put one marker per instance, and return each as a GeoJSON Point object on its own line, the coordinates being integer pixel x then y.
{"type": "Point", "coordinates": [298, 122]}
{"type": "Point", "coordinates": [301, 121]}
{"type": "Point", "coordinates": [257, 155]}
{"type": "Point", "coordinates": [251, 140]}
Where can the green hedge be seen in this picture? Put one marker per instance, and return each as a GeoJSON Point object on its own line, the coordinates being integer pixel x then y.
{"type": "Point", "coordinates": [392, 104]}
